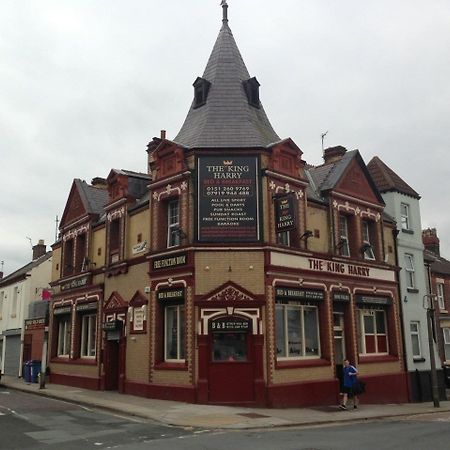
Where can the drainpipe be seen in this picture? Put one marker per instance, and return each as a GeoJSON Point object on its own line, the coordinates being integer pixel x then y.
{"type": "Point", "coordinates": [400, 311]}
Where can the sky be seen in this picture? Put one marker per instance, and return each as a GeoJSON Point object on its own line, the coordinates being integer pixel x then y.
{"type": "Point", "coordinates": [86, 84]}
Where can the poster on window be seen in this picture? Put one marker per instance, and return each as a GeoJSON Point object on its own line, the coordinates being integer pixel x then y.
{"type": "Point", "coordinates": [285, 216]}
{"type": "Point", "coordinates": [228, 199]}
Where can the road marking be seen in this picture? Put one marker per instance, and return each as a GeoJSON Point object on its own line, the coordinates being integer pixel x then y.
{"type": "Point", "coordinates": [2, 414]}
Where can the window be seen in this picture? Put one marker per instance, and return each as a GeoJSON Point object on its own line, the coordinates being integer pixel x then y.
{"type": "Point", "coordinates": [409, 268]}
{"type": "Point", "coordinates": [173, 224]}
{"type": "Point", "coordinates": [2, 299]}
{"type": "Point", "coordinates": [367, 246]}
{"type": "Point", "coordinates": [15, 301]}
{"type": "Point", "coordinates": [446, 332]}
{"type": "Point", "coordinates": [284, 238]}
{"type": "Point", "coordinates": [404, 216]}
{"type": "Point", "coordinates": [80, 255]}
{"type": "Point", "coordinates": [88, 335]}
{"type": "Point", "coordinates": [343, 244]}
{"type": "Point", "coordinates": [440, 295]}
{"type": "Point", "coordinates": [174, 344]}
{"type": "Point", "coordinates": [415, 339]}
{"type": "Point", "coordinates": [297, 331]}
{"type": "Point", "coordinates": [64, 334]}
{"type": "Point", "coordinates": [114, 241]}
{"type": "Point", "coordinates": [201, 89]}
{"type": "Point", "coordinates": [251, 88]}
{"type": "Point", "coordinates": [68, 258]}
{"type": "Point", "coordinates": [373, 336]}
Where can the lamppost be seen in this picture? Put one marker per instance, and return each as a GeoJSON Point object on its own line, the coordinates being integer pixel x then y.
{"type": "Point", "coordinates": [428, 304]}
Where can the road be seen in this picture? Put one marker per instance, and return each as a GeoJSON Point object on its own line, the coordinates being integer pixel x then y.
{"type": "Point", "coordinates": [32, 422]}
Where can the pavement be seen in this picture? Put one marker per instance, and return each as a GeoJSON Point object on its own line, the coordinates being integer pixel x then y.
{"type": "Point", "coordinates": [220, 417]}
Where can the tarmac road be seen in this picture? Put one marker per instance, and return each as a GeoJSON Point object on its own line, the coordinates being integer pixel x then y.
{"type": "Point", "coordinates": [32, 422]}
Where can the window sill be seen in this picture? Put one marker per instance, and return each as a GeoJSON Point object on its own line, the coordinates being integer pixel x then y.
{"type": "Point", "coordinates": [407, 231]}
{"type": "Point", "coordinates": [412, 290]}
{"type": "Point", "coordinates": [377, 358]}
{"type": "Point", "coordinates": [171, 366]}
{"type": "Point", "coordinates": [78, 361]}
{"type": "Point", "coordinates": [299, 363]}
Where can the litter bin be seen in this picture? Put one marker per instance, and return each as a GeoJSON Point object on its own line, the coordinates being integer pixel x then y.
{"type": "Point", "coordinates": [35, 367]}
{"type": "Point", "coordinates": [27, 372]}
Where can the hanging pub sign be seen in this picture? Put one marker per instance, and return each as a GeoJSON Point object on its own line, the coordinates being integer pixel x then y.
{"type": "Point", "coordinates": [289, 293]}
{"type": "Point", "coordinates": [229, 324]}
{"type": "Point", "coordinates": [228, 199]}
{"type": "Point", "coordinates": [285, 213]}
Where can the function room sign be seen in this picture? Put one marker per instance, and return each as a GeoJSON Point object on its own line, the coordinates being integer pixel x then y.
{"type": "Point", "coordinates": [228, 199]}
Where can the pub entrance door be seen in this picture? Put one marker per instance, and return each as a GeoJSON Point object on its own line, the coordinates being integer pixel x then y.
{"type": "Point", "coordinates": [112, 359]}
{"type": "Point", "coordinates": [231, 364]}
{"type": "Point", "coordinates": [339, 344]}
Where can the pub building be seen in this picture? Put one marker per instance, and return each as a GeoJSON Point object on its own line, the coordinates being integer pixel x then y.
{"type": "Point", "coordinates": [260, 273]}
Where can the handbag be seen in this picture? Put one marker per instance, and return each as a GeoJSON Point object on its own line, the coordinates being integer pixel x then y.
{"type": "Point", "coordinates": [359, 387]}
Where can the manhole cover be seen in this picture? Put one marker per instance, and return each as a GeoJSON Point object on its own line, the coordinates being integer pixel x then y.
{"type": "Point", "coordinates": [253, 415]}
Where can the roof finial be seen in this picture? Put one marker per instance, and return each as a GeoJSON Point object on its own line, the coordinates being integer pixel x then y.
{"type": "Point", "coordinates": [224, 5]}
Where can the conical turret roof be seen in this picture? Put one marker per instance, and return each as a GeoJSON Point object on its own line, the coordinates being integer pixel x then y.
{"type": "Point", "coordinates": [226, 119]}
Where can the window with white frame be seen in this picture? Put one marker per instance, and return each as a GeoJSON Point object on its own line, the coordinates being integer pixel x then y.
{"type": "Point", "coordinates": [409, 269]}
{"type": "Point", "coordinates": [64, 335]}
{"type": "Point", "coordinates": [2, 299]}
{"type": "Point", "coordinates": [440, 295]}
{"type": "Point", "coordinates": [297, 331]}
{"type": "Point", "coordinates": [173, 223]}
{"type": "Point", "coordinates": [88, 335]}
{"type": "Point", "coordinates": [174, 337]}
{"type": "Point", "coordinates": [414, 328]}
{"type": "Point", "coordinates": [284, 238]}
{"type": "Point", "coordinates": [368, 249]}
{"type": "Point", "coordinates": [15, 301]}
{"type": "Point", "coordinates": [404, 216]}
{"type": "Point", "coordinates": [343, 236]}
{"type": "Point", "coordinates": [373, 335]}
{"type": "Point", "coordinates": [446, 332]}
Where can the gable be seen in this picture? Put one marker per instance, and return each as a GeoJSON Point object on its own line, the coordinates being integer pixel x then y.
{"type": "Point", "coordinates": [356, 182]}
{"type": "Point", "coordinates": [74, 207]}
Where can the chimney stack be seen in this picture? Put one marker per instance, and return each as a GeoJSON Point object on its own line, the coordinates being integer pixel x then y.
{"type": "Point", "coordinates": [99, 183]}
{"type": "Point", "coordinates": [431, 241]}
{"type": "Point", "coordinates": [333, 154]}
{"type": "Point", "coordinates": [39, 249]}
{"type": "Point", "coordinates": [163, 134]}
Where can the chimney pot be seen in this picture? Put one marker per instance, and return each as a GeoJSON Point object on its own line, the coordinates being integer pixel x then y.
{"type": "Point", "coordinates": [163, 134]}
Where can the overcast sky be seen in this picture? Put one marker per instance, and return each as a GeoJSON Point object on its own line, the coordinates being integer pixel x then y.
{"type": "Point", "coordinates": [86, 84]}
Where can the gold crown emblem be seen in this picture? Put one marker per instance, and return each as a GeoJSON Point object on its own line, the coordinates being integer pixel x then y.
{"type": "Point", "coordinates": [227, 163]}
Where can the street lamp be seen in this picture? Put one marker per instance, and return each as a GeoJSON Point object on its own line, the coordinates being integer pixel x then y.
{"type": "Point", "coordinates": [428, 304]}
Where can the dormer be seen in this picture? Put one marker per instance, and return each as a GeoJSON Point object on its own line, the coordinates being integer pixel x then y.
{"type": "Point", "coordinates": [201, 89]}
{"type": "Point", "coordinates": [251, 87]}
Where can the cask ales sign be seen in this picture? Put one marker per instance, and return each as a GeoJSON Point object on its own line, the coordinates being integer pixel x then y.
{"type": "Point", "coordinates": [228, 199]}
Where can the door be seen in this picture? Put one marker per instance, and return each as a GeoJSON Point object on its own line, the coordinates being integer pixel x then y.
{"type": "Point", "coordinates": [339, 344]}
{"type": "Point", "coordinates": [112, 360]}
{"type": "Point", "coordinates": [231, 365]}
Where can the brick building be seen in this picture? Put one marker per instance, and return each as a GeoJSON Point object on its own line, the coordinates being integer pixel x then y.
{"type": "Point", "coordinates": [258, 275]}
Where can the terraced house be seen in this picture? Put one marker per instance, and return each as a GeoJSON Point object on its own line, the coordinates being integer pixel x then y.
{"type": "Point", "coordinates": [232, 272]}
